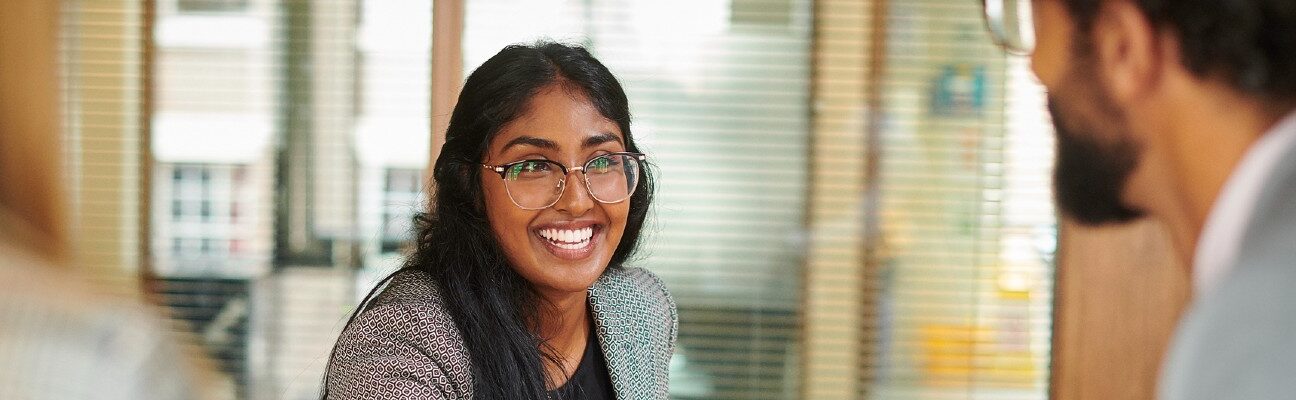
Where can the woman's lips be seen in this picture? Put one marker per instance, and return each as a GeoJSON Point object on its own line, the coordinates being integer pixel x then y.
{"type": "Point", "coordinates": [571, 242]}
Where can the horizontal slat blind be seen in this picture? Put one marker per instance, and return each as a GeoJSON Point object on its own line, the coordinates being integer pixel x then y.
{"type": "Point", "coordinates": [320, 108]}
{"type": "Point", "coordinates": [289, 139]}
{"type": "Point", "coordinates": [103, 78]}
{"type": "Point", "coordinates": [964, 256]}
{"type": "Point", "coordinates": [836, 305]}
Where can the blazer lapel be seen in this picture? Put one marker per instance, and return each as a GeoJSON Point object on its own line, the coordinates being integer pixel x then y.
{"type": "Point", "coordinates": [617, 334]}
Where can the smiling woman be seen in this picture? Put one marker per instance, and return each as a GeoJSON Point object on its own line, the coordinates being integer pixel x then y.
{"type": "Point", "coordinates": [516, 288]}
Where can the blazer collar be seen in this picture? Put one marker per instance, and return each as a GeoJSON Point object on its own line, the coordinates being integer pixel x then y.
{"type": "Point", "coordinates": [612, 302]}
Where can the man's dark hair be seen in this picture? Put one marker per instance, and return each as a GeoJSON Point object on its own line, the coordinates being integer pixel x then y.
{"type": "Point", "coordinates": [1248, 44]}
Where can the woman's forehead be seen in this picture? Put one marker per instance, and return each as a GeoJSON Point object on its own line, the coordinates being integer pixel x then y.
{"type": "Point", "coordinates": [558, 119]}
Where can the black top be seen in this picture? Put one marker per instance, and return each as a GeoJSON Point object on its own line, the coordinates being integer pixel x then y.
{"type": "Point", "coordinates": [591, 380]}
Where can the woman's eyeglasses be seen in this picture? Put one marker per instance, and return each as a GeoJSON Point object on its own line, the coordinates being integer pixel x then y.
{"type": "Point", "coordinates": [538, 184]}
{"type": "Point", "coordinates": [1011, 24]}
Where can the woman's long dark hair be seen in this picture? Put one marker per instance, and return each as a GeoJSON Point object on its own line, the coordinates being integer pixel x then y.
{"type": "Point", "coordinates": [492, 305]}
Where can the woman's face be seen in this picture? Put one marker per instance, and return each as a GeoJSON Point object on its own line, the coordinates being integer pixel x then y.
{"type": "Point", "coordinates": [563, 248]}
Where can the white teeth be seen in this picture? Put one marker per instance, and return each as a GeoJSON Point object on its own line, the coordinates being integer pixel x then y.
{"type": "Point", "coordinates": [568, 238]}
{"type": "Point", "coordinates": [572, 246]}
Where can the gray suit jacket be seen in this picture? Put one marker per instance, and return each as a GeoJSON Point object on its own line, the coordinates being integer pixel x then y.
{"type": "Point", "coordinates": [405, 345]}
{"type": "Point", "coordinates": [1238, 342]}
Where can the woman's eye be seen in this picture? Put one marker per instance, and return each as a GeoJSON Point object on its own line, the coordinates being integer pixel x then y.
{"type": "Point", "coordinates": [601, 164]}
{"type": "Point", "coordinates": [528, 169]}
{"type": "Point", "coordinates": [535, 166]}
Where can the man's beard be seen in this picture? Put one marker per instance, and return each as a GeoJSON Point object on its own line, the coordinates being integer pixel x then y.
{"type": "Point", "coordinates": [1090, 174]}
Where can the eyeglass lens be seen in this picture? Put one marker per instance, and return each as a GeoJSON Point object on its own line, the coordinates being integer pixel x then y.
{"type": "Point", "coordinates": [1011, 24]}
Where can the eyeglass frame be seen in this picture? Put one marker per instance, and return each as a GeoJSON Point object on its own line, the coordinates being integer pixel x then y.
{"type": "Point", "coordinates": [502, 170]}
{"type": "Point", "coordinates": [994, 22]}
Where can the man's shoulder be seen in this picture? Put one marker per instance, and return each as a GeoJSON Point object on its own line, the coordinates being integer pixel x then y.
{"type": "Point", "coordinates": [111, 344]}
{"type": "Point", "coordinates": [1236, 341]}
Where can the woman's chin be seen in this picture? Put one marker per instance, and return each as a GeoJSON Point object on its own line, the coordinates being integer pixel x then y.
{"type": "Point", "coordinates": [563, 275]}
{"type": "Point", "coordinates": [569, 266]}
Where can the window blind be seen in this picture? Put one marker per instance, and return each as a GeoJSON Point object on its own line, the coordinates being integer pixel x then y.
{"type": "Point", "coordinates": [852, 202]}
{"type": "Point", "coordinates": [836, 306]}
{"type": "Point", "coordinates": [962, 261]}
{"type": "Point", "coordinates": [268, 173]}
{"type": "Point", "coordinates": [102, 75]}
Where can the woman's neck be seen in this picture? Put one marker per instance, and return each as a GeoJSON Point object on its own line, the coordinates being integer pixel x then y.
{"type": "Point", "coordinates": [564, 329]}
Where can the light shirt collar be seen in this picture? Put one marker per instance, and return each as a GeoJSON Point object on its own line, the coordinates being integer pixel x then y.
{"type": "Point", "coordinates": [1221, 236]}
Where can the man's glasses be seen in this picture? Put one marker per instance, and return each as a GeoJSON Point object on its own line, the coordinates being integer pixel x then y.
{"type": "Point", "coordinates": [538, 184]}
{"type": "Point", "coordinates": [1011, 24]}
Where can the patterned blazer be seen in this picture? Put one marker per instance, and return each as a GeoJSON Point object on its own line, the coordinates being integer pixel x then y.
{"type": "Point", "coordinates": [405, 345]}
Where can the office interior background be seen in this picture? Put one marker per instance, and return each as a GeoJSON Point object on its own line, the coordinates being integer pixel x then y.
{"type": "Point", "coordinates": [853, 196]}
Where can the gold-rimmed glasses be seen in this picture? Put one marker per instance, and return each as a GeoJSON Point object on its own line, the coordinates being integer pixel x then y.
{"type": "Point", "coordinates": [537, 183]}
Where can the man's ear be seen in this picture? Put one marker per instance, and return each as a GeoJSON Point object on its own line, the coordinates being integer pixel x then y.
{"type": "Point", "coordinates": [1127, 52]}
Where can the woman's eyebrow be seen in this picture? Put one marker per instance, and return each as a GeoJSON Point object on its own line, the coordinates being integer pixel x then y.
{"type": "Point", "coordinates": [601, 138]}
{"type": "Point", "coordinates": [530, 141]}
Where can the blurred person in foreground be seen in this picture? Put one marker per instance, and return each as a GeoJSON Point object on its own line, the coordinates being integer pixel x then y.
{"type": "Point", "coordinates": [60, 336]}
{"type": "Point", "coordinates": [1182, 111]}
{"type": "Point", "coordinates": [518, 285]}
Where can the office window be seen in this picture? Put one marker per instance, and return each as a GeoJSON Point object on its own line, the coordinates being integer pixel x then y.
{"type": "Point", "coordinates": [402, 197]}
{"type": "Point", "coordinates": [834, 221]}
{"type": "Point", "coordinates": [197, 205]}
{"type": "Point", "coordinates": [289, 139]}
{"type": "Point", "coordinates": [958, 269]}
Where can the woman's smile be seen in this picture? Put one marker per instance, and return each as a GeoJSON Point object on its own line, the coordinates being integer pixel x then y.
{"type": "Point", "coordinates": [569, 240]}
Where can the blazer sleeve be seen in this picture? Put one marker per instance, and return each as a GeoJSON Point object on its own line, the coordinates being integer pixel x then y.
{"type": "Point", "coordinates": [398, 350]}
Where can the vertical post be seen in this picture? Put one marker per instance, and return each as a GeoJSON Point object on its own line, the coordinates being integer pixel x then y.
{"type": "Point", "coordinates": [30, 175]}
{"type": "Point", "coordinates": [447, 69]}
{"type": "Point", "coordinates": [870, 285]}
{"type": "Point", "coordinates": [837, 299]}
{"type": "Point", "coordinates": [145, 118]}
